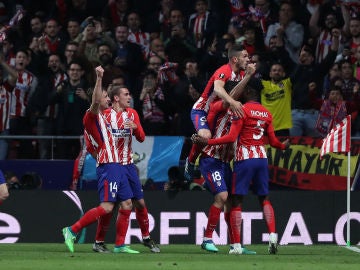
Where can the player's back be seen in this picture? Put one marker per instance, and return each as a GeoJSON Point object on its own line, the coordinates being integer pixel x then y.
{"type": "Point", "coordinates": [255, 122]}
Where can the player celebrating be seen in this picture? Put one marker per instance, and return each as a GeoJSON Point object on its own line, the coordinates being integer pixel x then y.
{"type": "Point", "coordinates": [220, 82]}
{"type": "Point", "coordinates": [129, 121]}
{"type": "Point", "coordinates": [113, 186]}
{"type": "Point", "coordinates": [250, 163]}
{"type": "Point", "coordinates": [215, 166]}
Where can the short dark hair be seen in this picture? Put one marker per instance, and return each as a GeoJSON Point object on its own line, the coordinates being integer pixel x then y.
{"type": "Point", "coordinates": [234, 50]}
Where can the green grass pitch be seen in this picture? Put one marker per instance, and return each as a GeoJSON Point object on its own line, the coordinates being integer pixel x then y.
{"type": "Point", "coordinates": [187, 257]}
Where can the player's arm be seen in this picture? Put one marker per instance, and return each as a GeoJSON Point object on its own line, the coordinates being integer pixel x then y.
{"type": "Point", "coordinates": [97, 93]}
{"type": "Point", "coordinates": [239, 88]}
{"type": "Point", "coordinates": [228, 138]}
{"type": "Point", "coordinates": [274, 141]}
{"type": "Point", "coordinates": [220, 91]}
{"type": "Point", "coordinates": [137, 128]}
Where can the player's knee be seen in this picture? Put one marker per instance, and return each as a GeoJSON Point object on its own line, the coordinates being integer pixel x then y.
{"type": "Point", "coordinates": [108, 207]}
{"type": "Point", "coordinates": [127, 205]}
{"type": "Point", "coordinates": [4, 195]}
{"type": "Point", "coordinates": [205, 133]}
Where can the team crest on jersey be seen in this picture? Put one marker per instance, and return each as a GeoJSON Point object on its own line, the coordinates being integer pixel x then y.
{"type": "Point", "coordinates": [113, 194]}
{"type": "Point", "coordinates": [222, 76]}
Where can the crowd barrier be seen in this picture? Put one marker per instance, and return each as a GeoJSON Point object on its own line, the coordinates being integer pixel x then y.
{"type": "Point", "coordinates": [302, 217]}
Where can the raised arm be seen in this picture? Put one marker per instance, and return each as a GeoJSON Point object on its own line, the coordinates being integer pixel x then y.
{"type": "Point", "coordinates": [97, 93]}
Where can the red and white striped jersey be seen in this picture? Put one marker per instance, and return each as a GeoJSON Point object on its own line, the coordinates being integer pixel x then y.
{"type": "Point", "coordinates": [142, 39]}
{"type": "Point", "coordinates": [52, 109]}
{"type": "Point", "coordinates": [5, 97]}
{"type": "Point", "coordinates": [249, 132]}
{"type": "Point", "coordinates": [323, 45]}
{"type": "Point", "coordinates": [24, 88]}
{"type": "Point", "coordinates": [219, 123]}
{"type": "Point", "coordinates": [225, 74]}
{"type": "Point", "coordinates": [112, 141]}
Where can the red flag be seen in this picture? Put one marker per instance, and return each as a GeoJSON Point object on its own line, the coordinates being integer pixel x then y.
{"type": "Point", "coordinates": [338, 140]}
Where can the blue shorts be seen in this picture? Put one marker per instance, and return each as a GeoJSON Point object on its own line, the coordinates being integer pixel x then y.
{"type": "Point", "coordinates": [134, 181]}
{"type": "Point", "coordinates": [113, 185]}
{"type": "Point", "coordinates": [198, 117]}
{"type": "Point", "coordinates": [217, 174]}
{"type": "Point", "coordinates": [255, 170]}
{"type": "Point", "coordinates": [2, 178]}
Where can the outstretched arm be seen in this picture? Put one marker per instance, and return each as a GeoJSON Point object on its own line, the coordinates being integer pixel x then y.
{"type": "Point", "coordinates": [97, 93]}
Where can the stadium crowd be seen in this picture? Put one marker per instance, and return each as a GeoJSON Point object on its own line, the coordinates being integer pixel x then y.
{"type": "Point", "coordinates": [165, 51]}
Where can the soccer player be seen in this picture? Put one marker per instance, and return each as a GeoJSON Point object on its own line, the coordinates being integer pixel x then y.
{"type": "Point", "coordinates": [215, 166]}
{"type": "Point", "coordinates": [131, 123]}
{"type": "Point", "coordinates": [113, 187]}
{"type": "Point", "coordinates": [219, 85]}
{"type": "Point", "coordinates": [250, 163]}
{"type": "Point", "coordinates": [4, 193]}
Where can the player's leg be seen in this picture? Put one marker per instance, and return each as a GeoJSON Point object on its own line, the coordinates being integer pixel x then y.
{"type": "Point", "coordinates": [198, 118]}
{"type": "Point", "coordinates": [88, 218]}
{"type": "Point", "coordinates": [122, 224]}
{"type": "Point", "coordinates": [101, 230]}
{"type": "Point", "coordinates": [214, 172]}
{"type": "Point", "coordinates": [123, 195]}
{"type": "Point", "coordinates": [242, 175]}
{"type": "Point", "coordinates": [141, 211]}
{"type": "Point", "coordinates": [261, 188]}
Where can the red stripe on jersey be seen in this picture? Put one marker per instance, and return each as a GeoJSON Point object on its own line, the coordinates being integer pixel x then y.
{"type": "Point", "coordinates": [106, 191]}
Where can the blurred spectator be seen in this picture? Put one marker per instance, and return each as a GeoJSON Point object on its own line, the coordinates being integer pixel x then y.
{"type": "Point", "coordinates": [30, 180]}
{"type": "Point", "coordinates": [155, 120]}
{"type": "Point", "coordinates": [217, 54]}
{"type": "Point", "coordinates": [159, 20]}
{"type": "Point", "coordinates": [73, 102]}
{"type": "Point", "coordinates": [303, 74]}
{"type": "Point", "coordinates": [43, 110]}
{"type": "Point", "coordinates": [71, 51]}
{"type": "Point", "coordinates": [176, 18]}
{"type": "Point", "coordinates": [8, 51]}
{"type": "Point", "coordinates": [276, 97]}
{"type": "Point", "coordinates": [12, 180]}
{"type": "Point", "coordinates": [264, 13]}
{"type": "Point", "coordinates": [105, 57]}
{"type": "Point", "coordinates": [176, 180]}
{"type": "Point", "coordinates": [116, 10]}
{"type": "Point", "coordinates": [154, 63]}
{"type": "Point", "coordinates": [7, 83]}
{"type": "Point", "coordinates": [128, 55]}
{"type": "Point", "coordinates": [37, 27]}
{"type": "Point", "coordinates": [320, 31]}
{"type": "Point", "coordinates": [157, 48]}
{"type": "Point", "coordinates": [136, 35]}
{"type": "Point", "coordinates": [73, 28]}
{"type": "Point", "coordinates": [348, 79]}
{"type": "Point", "coordinates": [89, 39]}
{"type": "Point", "coordinates": [287, 29]}
{"type": "Point", "coordinates": [179, 46]}
{"type": "Point", "coordinates": [334, 72]}
{"type": "Point", "coordinates": [54, 43]}
{"type": "Point", "coordinates": [201, 27]}
{"type": "Point", "coordinates": [334, 109]}
{"type": "Point", "coordinates": [26, 84]}
{"type": "Point", "coordinates": [188, 89]}
{"type": "Point", "coordinates": [356, 65]}
{"type": "Point", "coordinates": [253, 42]}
